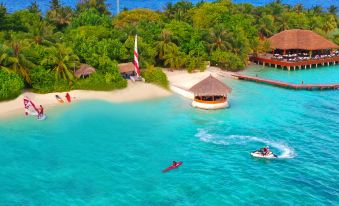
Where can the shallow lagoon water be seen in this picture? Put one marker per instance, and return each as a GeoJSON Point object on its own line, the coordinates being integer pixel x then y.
{"type": "Point", "coordinates": [98, 153]}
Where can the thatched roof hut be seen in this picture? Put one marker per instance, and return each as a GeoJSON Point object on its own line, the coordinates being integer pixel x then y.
{"type": "Point", "coordinates": [84, 71]}
{"type": "Point", "coordinates": [300, 39]}
{"type": "Point", "coordinates": [126, 67]}
{"type": "Point", "coordinates": [210, 87]}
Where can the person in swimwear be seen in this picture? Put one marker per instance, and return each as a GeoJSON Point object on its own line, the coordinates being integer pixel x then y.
{"type": "Point", "coordinates": [175, 163]}
{"type": "Point", "coordinates": [41, 111]}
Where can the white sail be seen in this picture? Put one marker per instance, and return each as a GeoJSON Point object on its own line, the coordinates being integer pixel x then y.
{"type": "Point", "coordinates": [30, 108]}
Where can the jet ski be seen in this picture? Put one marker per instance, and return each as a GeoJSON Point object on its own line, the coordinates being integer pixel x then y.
{"type": "Point", "coordinates": [260, 154]}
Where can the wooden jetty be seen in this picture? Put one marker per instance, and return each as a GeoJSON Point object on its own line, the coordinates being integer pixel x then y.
{"type": "Point", "coordinates": [286, 84]}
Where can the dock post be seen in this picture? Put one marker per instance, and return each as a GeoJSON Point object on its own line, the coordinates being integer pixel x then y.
{"type": "Point", "coordinates": [316, 65]}
{"type": "Point", "coordinates": [294, 68]}
{"type": "Point", "coordinates": [288, 68]}
{"type": "Point", "coordinates": [275, 66]}
{"type": "Point", "coordinates": [328, 63]}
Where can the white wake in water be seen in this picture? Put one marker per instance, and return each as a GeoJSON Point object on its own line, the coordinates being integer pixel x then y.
{"type": "Point", "coordinates": [203, 135]}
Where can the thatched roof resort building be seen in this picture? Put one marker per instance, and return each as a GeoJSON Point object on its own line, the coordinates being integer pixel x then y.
{"type": "Point", "coordinates": [297, 49]}
{"type": "Point", "coordinates": [210, 93]}
{"type": "Point", "coordinates": [127, 70]}
{"type": "Point", "coordinates": [84, 71]}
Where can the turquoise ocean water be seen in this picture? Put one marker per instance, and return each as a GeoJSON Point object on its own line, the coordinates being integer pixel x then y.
{"type": "Point", "coordinates": [98, 153]}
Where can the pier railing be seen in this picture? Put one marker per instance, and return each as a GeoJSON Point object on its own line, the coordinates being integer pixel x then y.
{"type": "Point", "coordinates": [294, 65]}
{"type": "Point", "coordinates": [286, 84]}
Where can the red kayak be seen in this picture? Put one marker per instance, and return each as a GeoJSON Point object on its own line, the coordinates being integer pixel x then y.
{"type": "Point", "coordinates": [68, 97]}
{"type": "Point", "coordinates": [172, 167]}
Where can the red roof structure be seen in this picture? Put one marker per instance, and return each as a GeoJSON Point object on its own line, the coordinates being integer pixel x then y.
{"type": "Point", "coordinates": [300, 39]}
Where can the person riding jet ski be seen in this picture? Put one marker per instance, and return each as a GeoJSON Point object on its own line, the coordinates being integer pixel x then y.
{"type": "Point", "coordinates": [264, 153]}
{"type": "Point", "coordinates": [266, 150]}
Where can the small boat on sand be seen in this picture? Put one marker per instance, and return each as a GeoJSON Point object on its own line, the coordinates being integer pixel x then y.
{"type": "Point", "coordinates": [59, 99]}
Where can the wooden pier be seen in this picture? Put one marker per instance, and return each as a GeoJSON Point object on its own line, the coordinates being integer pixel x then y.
{"type": "Point", "coordinates": [286, 84]}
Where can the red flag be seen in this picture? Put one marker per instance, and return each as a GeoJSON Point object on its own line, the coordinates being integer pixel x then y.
{"type": "Point", "coordinates": [136, 56]}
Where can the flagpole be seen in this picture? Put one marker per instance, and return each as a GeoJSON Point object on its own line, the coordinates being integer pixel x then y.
{"type": "Point", "coordinates": [118, 7]}
{"type": "Point", "coordinates": [136, 56]}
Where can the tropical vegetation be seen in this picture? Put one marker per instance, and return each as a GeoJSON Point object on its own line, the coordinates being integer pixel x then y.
{"type": "Point", "coordinates": [40, 51]}
{"type": "Point", "coordinates": [155, 76]}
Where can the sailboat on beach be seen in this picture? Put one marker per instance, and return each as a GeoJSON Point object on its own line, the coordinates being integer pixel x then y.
{"type": "Point", "coordinates": [137, 77]}
{"type": "Point", "coordinates": [32, 110]}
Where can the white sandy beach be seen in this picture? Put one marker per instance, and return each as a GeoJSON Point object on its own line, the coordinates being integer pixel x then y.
{"type": "Point", "coordinates": [180, 82]}
{"type": "Point", "coordinates": [186, 80]}
{"type": "Point", "coordinates": [134, 92]}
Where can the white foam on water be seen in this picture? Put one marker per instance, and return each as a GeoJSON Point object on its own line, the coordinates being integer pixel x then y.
{"type": "Point", "coordinates": [205, 136]}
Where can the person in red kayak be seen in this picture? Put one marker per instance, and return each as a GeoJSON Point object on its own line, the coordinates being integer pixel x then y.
{"type": "Point", "coordinates": [175, 163]}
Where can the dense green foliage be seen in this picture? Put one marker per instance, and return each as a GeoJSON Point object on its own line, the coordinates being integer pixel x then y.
{"type": "Point", "coordinates": [44, 50]}
{"type": "Point", "coordinates": [107, 79]}
{"type": "Point", "coordinates": [155, 76]}
{"type": "Point", "coordinates": [11, 85]}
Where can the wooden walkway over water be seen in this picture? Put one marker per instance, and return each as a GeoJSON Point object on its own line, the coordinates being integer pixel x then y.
{"type": "Point", "coordinates": [286, 84]}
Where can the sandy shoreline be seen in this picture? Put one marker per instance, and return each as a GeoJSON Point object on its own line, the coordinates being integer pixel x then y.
{"type": "Point", "coordinates": [180, 82]}
{"type": "Point", "coordinates": [134, 92]}
{"type": "Point", "coordinates": [186, 80]}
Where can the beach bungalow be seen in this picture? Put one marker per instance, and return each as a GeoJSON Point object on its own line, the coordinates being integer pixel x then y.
{"type": "Point", "coordinates": [210, 93]}
{"type": "Point", "coordinates": [298, 49]}
{"type": "Point", "coordinates": [127, 70]}
{"type": "Point", "coordinates": [84, 71]}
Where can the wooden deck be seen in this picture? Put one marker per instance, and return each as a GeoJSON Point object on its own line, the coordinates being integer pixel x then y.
{"type": "Point", "coordinates": [266, 60]}
{"type": "Point", "coordinates": [286, 84]}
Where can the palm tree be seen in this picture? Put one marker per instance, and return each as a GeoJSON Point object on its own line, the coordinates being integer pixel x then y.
{"type": "Point", "coordinates": [174, 59]}
{"type": "Point", "coordinates": [329, 24]}
{"type": "Point", "coordinates": [34, 8]}
{"type": "Point", "coordinates": [18, 62]}
{"type": "Point", "coordinates": [55, 4]}
{"type": "Point", "coordinates": [181, 9]}
{"type": "Point", "coordinates": [266, 25]}
{"type": "Point", "coordinates": [62, 60]}
{"type": "Point", "coordinates": [99, 5]}
{"type": "Point", "coordinates": [61, 16]}
{"type": "Point", "coordinates": [219, 39]}
{"type": "Point", "coordinates": [3, 58]}
{"type": "Point", "coordinates": [317, 9]}
{"type": "Point", "coordinates": [165, 45]}
{"type": "Point", "coordinates": [299, 8]}
{"type": "Point", "coordinates": [40, 32]}
{"type": "Point", "coordinates": [169, 10]}
{"type": "Point", "coordinates": [333, 10]}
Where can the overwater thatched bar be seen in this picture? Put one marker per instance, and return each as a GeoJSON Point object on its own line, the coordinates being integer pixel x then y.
{"type": "Point", "coordinates": [210, 93]}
